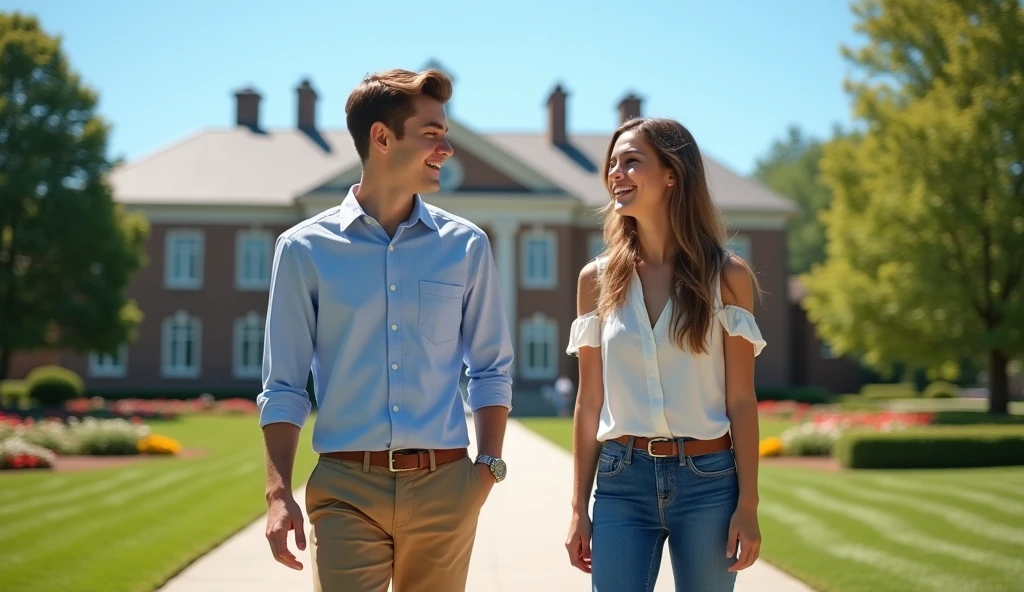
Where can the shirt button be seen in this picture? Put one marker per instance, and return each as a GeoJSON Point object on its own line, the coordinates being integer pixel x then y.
{"type": "Point", "coordinates": [394, 327]}
{"type": "Point", "coordinates": [391, 247]}
{"type": "Point", "coordinates": [395, 408]}
{"type": "Point", "coordinates": [392, 287]}
{"type": "Point", "coordinates": [394, 366]}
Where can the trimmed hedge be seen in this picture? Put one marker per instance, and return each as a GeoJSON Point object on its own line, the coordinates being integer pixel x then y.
{"type": "Point", "coordinates": [933, 448]}
{"type": "Point", "coordinates": [174, 394]}
{"type": "Point", "coordinates": [889, 392]}
{"type": "Point", "coordinates": [811, 395]}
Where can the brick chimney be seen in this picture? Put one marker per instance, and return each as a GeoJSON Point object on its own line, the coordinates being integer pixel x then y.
{"type": "Point", "coordinates": [557, 133]}
{"type": "Point", "coordinates": [629, 107]}
{"type": "Point", "coordinates": [247, 108]}
{"type": "Point", "coordinates": [307, 106]}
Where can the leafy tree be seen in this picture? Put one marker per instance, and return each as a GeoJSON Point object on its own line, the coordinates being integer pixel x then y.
{"type": "Point", "coordinates": [67, 251]}
{"type": "Point", "coordinates": [791, 169]}
{"type": "Point", "coordinates": [926, 232]}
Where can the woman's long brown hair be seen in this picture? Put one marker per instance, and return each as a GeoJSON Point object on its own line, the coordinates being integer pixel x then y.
{"type": "Point", "coordinates": [696, 225]}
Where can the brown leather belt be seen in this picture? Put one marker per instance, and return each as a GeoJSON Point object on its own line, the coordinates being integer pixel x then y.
{"type": "Point", "coordinates": [402, 460]}
{"type": "Point", "coordinates": [662, 447]}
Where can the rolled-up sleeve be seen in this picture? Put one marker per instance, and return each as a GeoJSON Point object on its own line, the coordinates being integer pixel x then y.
{"type": "Point", "coordinates": [487, 345]}
{"type": "Point", "coordinates": [288, 338]}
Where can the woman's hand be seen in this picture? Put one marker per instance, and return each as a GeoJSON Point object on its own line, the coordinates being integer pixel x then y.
{"type": "Point", "coordinates": [578, 542]}
{"type": "Point", "coordinates": [744, 530]}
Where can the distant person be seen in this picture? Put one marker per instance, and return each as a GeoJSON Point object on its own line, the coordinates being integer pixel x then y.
{"type": "Point", "coordinates": [565, 392]}
{"type": "Point", "coordinates": [666, 414]}
{"type": "Point", "coordinates": [385, 297]}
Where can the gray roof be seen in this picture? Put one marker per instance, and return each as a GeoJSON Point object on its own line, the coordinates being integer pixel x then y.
{"type": "Point", "coordinates": [237, 166]}
{"type": "Point", "coordinates": [578, 169]}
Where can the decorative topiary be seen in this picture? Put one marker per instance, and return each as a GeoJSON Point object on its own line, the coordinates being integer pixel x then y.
{"type": "Point", "coordinates": [940, 389]}
{"type": "Point", "coordinates": [52, 386]}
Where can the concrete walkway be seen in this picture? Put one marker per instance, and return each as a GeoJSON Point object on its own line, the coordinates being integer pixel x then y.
{"type": "Point", "coordinates": [519, 545]}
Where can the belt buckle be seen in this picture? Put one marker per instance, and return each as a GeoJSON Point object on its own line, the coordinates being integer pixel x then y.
{"type": "Point", "coordinates": [391, 463]}
{"type": "Point", "coordinates": [652, 441]}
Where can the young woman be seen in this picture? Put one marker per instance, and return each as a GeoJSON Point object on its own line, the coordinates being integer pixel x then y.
{"type": "Point", "coordinates": [666, 413]}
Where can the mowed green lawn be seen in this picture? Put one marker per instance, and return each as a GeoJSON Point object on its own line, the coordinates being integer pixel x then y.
{"type": "Point", "coordinates": [130, 528]}
{"type": "Point", "coordinates": [956, 530]}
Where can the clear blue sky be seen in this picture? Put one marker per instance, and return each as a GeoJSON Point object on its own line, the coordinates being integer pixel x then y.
{"type": "Point", "coordinates": [736, 72]}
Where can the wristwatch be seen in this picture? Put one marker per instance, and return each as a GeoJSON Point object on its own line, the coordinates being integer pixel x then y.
{"type": "Point", "coordinates": [496, 465]}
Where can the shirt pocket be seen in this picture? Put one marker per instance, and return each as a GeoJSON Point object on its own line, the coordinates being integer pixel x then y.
{"type": "Point", "coordinates": [440, 311]}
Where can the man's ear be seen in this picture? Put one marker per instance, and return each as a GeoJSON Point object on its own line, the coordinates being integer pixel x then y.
{"type": "Point", "coordinates": [380, 136]}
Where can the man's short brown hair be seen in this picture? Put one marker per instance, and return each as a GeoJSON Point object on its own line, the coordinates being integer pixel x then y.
{"type": "Point", "coordinates": [387, 96]}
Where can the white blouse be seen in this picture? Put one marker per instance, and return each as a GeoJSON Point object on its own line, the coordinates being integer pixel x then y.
{"type": "Point", "coordinates": [652, 388]}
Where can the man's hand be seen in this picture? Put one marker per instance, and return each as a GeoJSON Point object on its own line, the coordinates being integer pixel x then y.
{"type": "Point", "coordinates": [486, 478]}
{"type": "Point", "coordinates": [284, 514]}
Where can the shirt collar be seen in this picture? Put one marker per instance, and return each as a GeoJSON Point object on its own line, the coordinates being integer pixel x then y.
{"type": "Point", "coordinates": [351, 211]}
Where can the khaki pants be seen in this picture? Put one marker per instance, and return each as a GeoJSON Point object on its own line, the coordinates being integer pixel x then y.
{"type": "Point", "coordinates": [369, 527]}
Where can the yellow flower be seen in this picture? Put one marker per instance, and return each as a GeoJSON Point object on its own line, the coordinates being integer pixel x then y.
{"type": "Point", "coordinates": [771, 447]}
{"type": "Point", "coordinates": [156, 444]}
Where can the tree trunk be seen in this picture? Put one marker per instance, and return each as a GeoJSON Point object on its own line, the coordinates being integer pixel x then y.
{"type": "Point", "coordinates": [998, 383]}
{"type": "Point", "coordinates": [5, 362]}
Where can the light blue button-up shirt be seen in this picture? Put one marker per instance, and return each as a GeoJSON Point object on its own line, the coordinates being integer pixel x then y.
{"type": "Point", "coordinates": [385, 324]}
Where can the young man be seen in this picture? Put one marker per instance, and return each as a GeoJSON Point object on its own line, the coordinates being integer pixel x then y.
{"type": "Point", "coordinates": [385, 297]}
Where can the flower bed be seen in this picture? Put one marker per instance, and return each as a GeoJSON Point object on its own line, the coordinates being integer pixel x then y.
{"type": "Point", "coordinates": [142, 409]}
{"type": "Point", "coordinates": [818, 433]}
{"type": "Point", "coordinates": [16, 453]}
{"type": "Point", "coordinates": [33, 444]}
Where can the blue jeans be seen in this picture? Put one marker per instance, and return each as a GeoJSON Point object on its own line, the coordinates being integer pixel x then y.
{"type": "Point", "coordinates": [641, 501]}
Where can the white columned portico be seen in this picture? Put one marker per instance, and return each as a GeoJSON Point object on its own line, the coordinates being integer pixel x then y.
{"type": "Point", "coordinates": [504, 231]}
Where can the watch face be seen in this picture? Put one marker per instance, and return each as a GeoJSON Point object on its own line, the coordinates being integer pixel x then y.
{"type": "Point", "coordinates": [498, 466]}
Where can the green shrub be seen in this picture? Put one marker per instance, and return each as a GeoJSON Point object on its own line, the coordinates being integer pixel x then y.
{"type": "Point", "coordinates": [811, 395]}
{"type": "Point", "coordinates": [13, 394]}
{"type": "Point", "coordinates": [933, 448]}
{"type": "Point", "coordinates": [888, 392]}
{"type": "Point", "coordinates": [51, 386]}
{"type": "Point", "coordinates": [940, 389]}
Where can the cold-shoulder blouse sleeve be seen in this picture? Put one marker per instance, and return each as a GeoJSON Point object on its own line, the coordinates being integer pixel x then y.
{"type": "Point", "coordinates": [739, 322]}
{"type": "Point", "coordinates": [585, 332]}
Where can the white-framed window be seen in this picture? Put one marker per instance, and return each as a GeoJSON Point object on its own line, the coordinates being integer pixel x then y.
{"type": "Point", "coordinates": [253, 253]}
{"type": "Point", "coordinates": [595, 245]}
{"type": "Point", "coordinates": [740, 245]}
{"type": "Point", "coordinates": [109, 366]}
{"type": "Point", "coordinates": [539, 259]}
{"type": "Point", "coordinates": [538, 337]}
{"type": "Point", "coordinates": [183, 261]}
{"type": "Point", "coordinates": [181, 346]}
{"type": "Point", "coordinates": [248, 346]}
